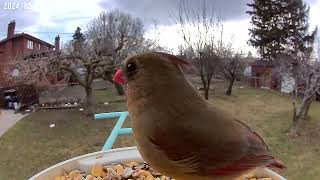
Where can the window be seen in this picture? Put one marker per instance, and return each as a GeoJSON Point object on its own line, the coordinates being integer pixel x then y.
{"type": "Point", "coordinates": [30, 44]}
{"type": "Point", "coordinates": [39, 46]}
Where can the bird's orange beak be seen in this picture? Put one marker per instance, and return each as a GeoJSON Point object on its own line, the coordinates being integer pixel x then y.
{"type": "Point", "coordinates": [119, 77]}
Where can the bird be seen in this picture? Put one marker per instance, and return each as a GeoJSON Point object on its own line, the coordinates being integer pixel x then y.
{"type": "Point", "coordinates": [178, 132]}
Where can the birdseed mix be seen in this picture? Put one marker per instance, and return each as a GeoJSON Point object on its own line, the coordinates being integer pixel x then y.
{"type": "Point", "coordinates": [119, 171]}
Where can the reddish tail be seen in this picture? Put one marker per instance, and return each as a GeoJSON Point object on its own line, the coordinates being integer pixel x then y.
{"type": "Point", "coordinates": [277, 164]}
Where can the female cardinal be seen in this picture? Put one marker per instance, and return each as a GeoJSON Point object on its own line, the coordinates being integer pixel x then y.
{"type": "Point", "coordinates": [179, 133]}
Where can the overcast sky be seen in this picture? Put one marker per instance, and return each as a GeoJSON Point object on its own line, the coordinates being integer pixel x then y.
{"type": "Point", "coordinates": [47, 18]}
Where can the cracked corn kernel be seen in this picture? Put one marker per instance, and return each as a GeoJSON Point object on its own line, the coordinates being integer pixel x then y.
{"type": "Point", "coordinates": [97, 170]}
{"type": "Point", "coordinates": [74, 174]}
{"type": "Point", "coordinates": [150, 177]}
{"type": "Point", "coordinates": [90, 177]}
{"type": "Point", "coordinates": [132, 170]}
{"type": "Point", "coordinates": [131, 164]}
{"type": "Point", "coordinates": [119, 169]}
{"type": "Point", "coordinates": [60, 178]}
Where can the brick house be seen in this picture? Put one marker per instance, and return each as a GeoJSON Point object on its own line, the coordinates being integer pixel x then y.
{"type": "Point", "coordinates": [20, 46]}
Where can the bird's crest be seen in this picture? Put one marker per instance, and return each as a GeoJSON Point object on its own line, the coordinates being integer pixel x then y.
{"type": "Point", "coordinates": [174, 59]}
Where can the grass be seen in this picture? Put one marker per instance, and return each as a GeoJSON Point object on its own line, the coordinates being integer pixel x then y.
{"type": "Point", "coordinates": [103, 96]}
{"type": "Point", "coordinates": [31, 146]}
{"type": "Point", "coordinates": [269, 113]}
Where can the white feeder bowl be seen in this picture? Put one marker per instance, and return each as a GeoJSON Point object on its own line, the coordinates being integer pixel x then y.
{"type": "Point", "coordinates": [124, 155]}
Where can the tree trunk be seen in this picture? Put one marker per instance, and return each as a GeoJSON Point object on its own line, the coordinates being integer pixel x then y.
{"type": "Point", "coordinates": [298, 116]}
{"type": "Point", "coordinates": [295, 128]}
{"type": "Point", "coordinates": [229, 90]}
{"type": "Point", "coordinates": [295, 122]}
{"type": "Point", "coordinates": [207, 87]}
{"type": "Point", "coordinates": [295, 118]}
{"type": "Point", "coordinates": [306, 111]}
{"type": "Point", "coordinates": [89, 101]}
{"type": "Point", "coordinates": [204, 83]}
{"type": "Point", "coordinates": [206, 93]}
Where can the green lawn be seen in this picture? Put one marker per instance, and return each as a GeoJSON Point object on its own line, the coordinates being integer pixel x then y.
{"type": "Point", "coordinates": [103, 96]}
{"type": "Point", "coordinates": [269, 114]}
{"type": "Point", "coordinates": [31, 146]}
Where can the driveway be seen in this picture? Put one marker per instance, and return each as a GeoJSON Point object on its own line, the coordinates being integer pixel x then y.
{"type": "Point", "coordinates": [7, 119]}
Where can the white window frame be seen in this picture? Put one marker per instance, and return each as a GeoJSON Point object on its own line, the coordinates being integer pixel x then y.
{"type": "Point", "coordinates": [30, 44]}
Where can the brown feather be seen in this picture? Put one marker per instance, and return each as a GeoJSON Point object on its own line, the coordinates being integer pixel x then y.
{"type": "Point", "coordinates": [181, 134]}
{"type": "Point", "coordinates": [174, 59]}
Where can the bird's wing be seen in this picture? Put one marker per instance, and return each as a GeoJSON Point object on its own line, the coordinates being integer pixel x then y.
{"type": "Point", "coordinates": [178, 154]}
{"type": "Point", "coordinates": [195, 154]}
{"type": "Point", "coordinates": [257, 154]}
{"type": "Point", "coordinates": [191, 152]}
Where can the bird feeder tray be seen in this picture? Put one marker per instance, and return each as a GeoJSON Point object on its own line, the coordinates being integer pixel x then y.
{"type": "Point", "coordinates": [121, 155]}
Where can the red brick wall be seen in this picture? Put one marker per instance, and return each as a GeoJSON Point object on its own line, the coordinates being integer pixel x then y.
{"type": "Point", "coordinates": [27, 51]}
{"type": "Point", "coordinates": [16, 48]}
{"type": "Point", "coordinates": [11, 49]}
{"type": "Point", "coordinates": [2, 51]}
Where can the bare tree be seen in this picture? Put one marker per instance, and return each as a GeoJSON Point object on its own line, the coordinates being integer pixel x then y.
{"type": "Point", "coordinates": [202, 32]}
{"type": "Point", "coordinates": [305, 75]}
{"type": "Point", "coordinates": [152, 42]}
{"type": "Point", "coordinates": [115, 34]}
{"type": "Point", "coordinates": [85, 69]}
{"type": "Point", "coordinates": [85, 66]}
{"type": "Point", "coordinates": [232, 67]}
{"type": "Point", "coordinates": [110, 38]}
{"type": "Point", "coordinates": [36, 70]}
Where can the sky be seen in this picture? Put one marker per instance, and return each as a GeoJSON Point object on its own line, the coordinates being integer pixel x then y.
{"type": "Point", "coordinates": [46, 19]}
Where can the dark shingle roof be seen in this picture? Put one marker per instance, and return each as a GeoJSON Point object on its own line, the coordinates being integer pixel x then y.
{"type": "Point", "coordinates": [264, 63]}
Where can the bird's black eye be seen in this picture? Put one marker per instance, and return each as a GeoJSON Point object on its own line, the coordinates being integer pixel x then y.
{"type": "Point", "coordinates": [131, 67]}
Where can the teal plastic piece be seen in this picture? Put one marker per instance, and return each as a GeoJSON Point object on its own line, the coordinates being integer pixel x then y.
{"type": "Point", "coordinates": [117, 130]}
{"type": "Point", "coordinates": [125, 131]}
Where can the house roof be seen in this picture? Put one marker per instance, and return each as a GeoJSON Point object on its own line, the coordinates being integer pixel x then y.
{"type": "Point", "coordinates": [26, 36]}
{"type": "Point", "coordinates": [264, 63]}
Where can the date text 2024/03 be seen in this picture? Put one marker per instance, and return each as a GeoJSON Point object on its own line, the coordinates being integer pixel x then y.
{"type": "Point", "coordinates": [15, 5]}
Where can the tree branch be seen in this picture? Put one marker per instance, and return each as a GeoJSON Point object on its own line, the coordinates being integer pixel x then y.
{"type": "Point", "coordinates": [75, 73]}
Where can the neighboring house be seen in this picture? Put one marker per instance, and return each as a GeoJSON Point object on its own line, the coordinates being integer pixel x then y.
{"type": "Point", "coordinates": [264, 76]}
{"type": "Point", "coordinates": [21, 46]}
